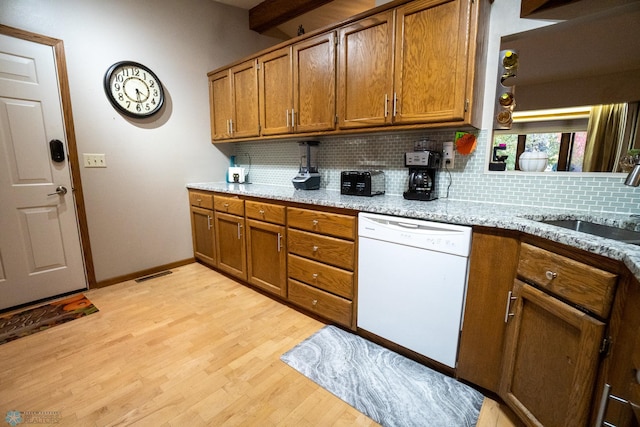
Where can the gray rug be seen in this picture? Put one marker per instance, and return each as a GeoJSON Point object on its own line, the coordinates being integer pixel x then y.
{"type": "Point", "coordinates": [387, 387]}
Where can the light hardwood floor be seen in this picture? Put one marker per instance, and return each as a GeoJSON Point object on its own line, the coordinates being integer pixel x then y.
{"type": "Point", "coordinates": [187, 349]}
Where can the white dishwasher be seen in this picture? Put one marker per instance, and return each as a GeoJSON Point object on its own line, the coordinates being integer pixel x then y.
{"type": "Point", "coordinates": [412, 278]}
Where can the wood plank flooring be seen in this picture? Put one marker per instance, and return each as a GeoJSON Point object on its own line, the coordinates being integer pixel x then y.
{"type": "Point", "coordinates": [191, 348]}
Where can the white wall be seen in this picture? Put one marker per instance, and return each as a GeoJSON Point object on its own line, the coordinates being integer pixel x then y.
{"type": "Point", "coordinates": [137, 208]}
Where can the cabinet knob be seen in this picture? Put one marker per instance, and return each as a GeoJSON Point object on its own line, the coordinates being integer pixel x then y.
{"type": "Point", "coordinates": [315, 222]}
{"type": "Point", "coordinates": [315, 249]}
{"type": "Point", "coordinates": [551, 275]}
{"type": "Point", "coordinates": [315, 276]}
{"type": "Point", "coordinates": [261, 212]}
{"type": "Point", "coordinates": [314, 302]}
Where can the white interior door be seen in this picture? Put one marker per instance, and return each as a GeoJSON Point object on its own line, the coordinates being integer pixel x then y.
{"type": "Point", "coordinates": [40, 249]}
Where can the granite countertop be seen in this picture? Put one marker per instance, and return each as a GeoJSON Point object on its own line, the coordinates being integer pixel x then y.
{"type": "Point", "coordinates": [506, 216]}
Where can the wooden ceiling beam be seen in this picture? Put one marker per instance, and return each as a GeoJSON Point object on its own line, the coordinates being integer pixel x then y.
{"type": "Point", "coordinates": [271, 13]}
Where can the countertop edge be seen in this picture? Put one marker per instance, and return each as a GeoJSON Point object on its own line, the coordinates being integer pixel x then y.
{"type": "Point", "coordinates": [520, 218]}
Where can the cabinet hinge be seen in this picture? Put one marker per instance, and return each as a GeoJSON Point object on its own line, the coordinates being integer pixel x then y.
{"type": "Point", "coordinates": [336, 120]}
{"type": "Point", "coordinates": [258, 66]}
{"type": "Point", "coordinates": [466, 105]}
{"type": "Point", "coordinates": [605, 346]}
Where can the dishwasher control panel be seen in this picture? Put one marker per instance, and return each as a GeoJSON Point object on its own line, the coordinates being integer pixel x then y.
{"type": "Point", "coordinates": [436, 236]}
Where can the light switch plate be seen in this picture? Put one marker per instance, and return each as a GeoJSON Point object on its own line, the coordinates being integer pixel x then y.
{"type": "Point", "coordinates": [94, 160]}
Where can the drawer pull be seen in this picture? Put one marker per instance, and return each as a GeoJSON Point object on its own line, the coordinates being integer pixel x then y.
{"type": "Point", "coordinates": [314, 302]}
{"type": "Point", "coordinates": [198, 200]}
{"type": "Point", "coordinates": [261, 212]}
{"type": "Point", "coordinates": [315, 249]}
{"type": "Point", "coordinates": [315, 222]}
{"type": "Point", "coordinates": [226, 205]}
{"type": "Point", "coordinates": [551, 274]}
{"type": "Point", "coordinates": [315, 276]}
{"type": "Point", "coordinates": [507, 314]}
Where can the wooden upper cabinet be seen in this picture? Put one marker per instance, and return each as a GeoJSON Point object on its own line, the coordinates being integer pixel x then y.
{"type": "Point", "coordinates": [276, 92]}
{"type": "Point", "coordinates": [314, 83]}
{"type": "Point", "coordinates": [410, 66]}
{"type": "Point", "coordinates": [244, 89]}
{"type": "Point", "coordinates": [220, 104]}
{"type": "Point", "coordinates": [431, 61]}
{"type": "Point", "coordinates": [365, 72]}
{"type": "Point", "coordinates": [233, 95]}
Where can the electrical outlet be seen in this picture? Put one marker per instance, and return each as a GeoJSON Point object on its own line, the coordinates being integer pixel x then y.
{"type": "Point", "coordinates": [94, 160]}
{"type": "Point", "coordinates": [447, 154]}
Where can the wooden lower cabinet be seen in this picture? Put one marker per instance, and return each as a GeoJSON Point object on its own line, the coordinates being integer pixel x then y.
{"type": "Point", "coordinates": [492, 267]}
{"type": "Point", "coordinates": [267, 256]}
{"type": "Point", "coordinates": [202, 227]}
{"type": "Point", "coordinates": [322, 263]}
{"type": "Point", "coordinates": [322, 303]}
{"type": "Point", "coordinates": [231, 250]}
{"type": "Point", "coordinates": [551, 359]}
{"type": "Point", "coordinates": [618, 389]}
{"type": "Point", "coordinates": [203, 233]}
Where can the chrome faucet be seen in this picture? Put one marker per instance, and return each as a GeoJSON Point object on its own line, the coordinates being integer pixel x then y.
{"type": "Point", "coordinates": [633, 179]}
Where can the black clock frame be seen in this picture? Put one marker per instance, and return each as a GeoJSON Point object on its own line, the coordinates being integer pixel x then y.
{"type": "Point", "coordinates": [107, 89]}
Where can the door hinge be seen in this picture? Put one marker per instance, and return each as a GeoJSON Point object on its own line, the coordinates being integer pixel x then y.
{"type": "Point", "coordinates": [605, 346]}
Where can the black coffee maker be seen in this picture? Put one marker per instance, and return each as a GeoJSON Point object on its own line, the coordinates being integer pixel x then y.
{"type": "Point", "coordinates": [423, 169]}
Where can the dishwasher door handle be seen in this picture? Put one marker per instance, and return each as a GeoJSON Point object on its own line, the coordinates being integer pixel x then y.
{"type": "Point", "coordinates": [406, 225]}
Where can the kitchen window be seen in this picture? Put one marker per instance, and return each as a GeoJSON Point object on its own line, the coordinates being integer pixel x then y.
{"type": "Point", "coordinates": [582, 139]}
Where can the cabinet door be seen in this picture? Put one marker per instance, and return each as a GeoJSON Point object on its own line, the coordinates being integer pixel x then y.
{"type": "Point", "coordinates": [220, 105]}
{"type": "Point", "coordinates": [267, 256]}
{"type": "Point", "coordinates": [431, 61]}
{"type": "Point", "coordinates": [230, 245]}
{"type": "Point", "coordinates": [492, 268]}
{"type": "Point", "coordinates": [551, 359]}
{"type": "Point", "coordinates": [314, 83]}
{"type": "Point", "coordinates": [202, 230]}
{"type": "Point", "coordinates": [244, 84]}
{"type": "Point", "coordinates": [621, 366]}
{"type": "Point", "coordinates": [365, 72]}
{"type": "Point", "coordinates": [276, 87]}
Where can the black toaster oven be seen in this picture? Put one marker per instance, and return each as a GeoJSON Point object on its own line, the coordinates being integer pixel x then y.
{"type": "Point", "coordinates": [362, 183]}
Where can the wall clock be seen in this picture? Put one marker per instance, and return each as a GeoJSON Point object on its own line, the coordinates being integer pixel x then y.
{"type": "Point", "coordinates": [133, 89]}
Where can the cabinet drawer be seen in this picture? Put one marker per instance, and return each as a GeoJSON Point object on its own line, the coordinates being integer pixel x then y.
{"type": "Point", "coordinates": [201, 200]}
{"type": "Point", "coordinates": [578, 283]}
{"type": "Point", "coordinates": [265, 212]}
{"type": "Point", "coordinates": [326, 277]}
{"type": "Point", "coordinates": [322, 222]}
{"type": "Point", "coordinates": [230, 205]}
{"type": "Point", "coordinates": [330, 250]}
{"type": "Point", "coordinates": [322, 303]}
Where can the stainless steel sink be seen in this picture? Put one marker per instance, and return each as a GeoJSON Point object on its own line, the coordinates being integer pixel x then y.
{"type": "Point", "coordinates": [620, 234]}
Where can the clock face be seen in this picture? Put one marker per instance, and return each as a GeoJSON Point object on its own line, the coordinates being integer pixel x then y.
{"type": "Point", "coordinates": [133, 89]}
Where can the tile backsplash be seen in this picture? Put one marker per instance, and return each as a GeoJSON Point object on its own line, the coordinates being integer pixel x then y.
{"type": "Point", "coordinates": [276, 162]}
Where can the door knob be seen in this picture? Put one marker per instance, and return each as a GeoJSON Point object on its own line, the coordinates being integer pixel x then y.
{"type": "Point", "coordinates": [60, 191]}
